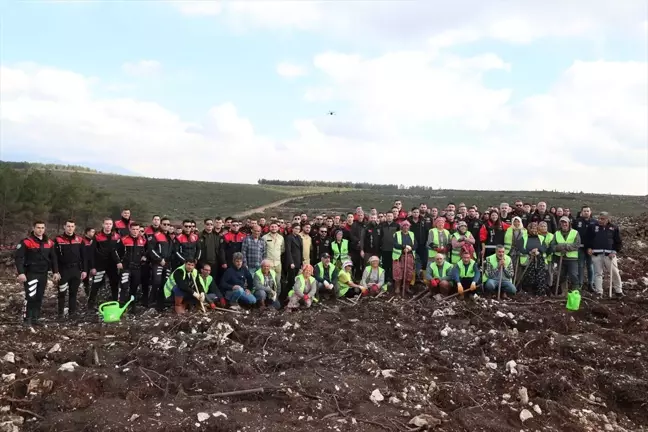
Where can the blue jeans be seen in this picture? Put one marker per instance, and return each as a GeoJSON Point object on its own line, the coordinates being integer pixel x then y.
{"type": "Point", "coordinates": [240, 296]}
{"type": "Point", "coordinates": [261, 296]}
{"type": "Point", "coordinates": [507, 286]}
{"type": "Point", "coordinates": [585, 260]}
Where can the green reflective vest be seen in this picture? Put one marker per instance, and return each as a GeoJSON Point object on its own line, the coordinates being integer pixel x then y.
{"type": "Point", "coordinates": [261, 276]}
{"type": "Point", "coordinates": [466, 271]}
{"type": "Point", "coordinates": [170, 283]}
{"type": "Point", "coordinates": [343, 288]}
{"type": "Point", "coordinates": [396, 253]}
{"type": "Point", "coordinates": [508, 239]}
{"type": "Point", "coordinates": [299, 280]}
{"type": "Point", "coordinates": [340, 251]}
{"type": "Point", "coordinates": [571, 238]}
{"type": "Point", "coordinates": [548, 238]}
{"type": "Point", "coordinates": [494, 262]}
{"type": "Point", "coordinates": [455, 257]}
{"type": "Point", "coordinates": [525, 238]}
{"type": "Point", "coordinates": [380, 272]}
{"type": "Point", "coordinates": [205, 283]}
{"type": "Point", "coordinates": [434, 270]}
{"type": "Point", "coordinates": [435, 241]}
{"type": "Point", "coordinates": [326, 276]}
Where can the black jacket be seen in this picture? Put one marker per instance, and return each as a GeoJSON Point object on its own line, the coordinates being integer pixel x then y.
{"type": "Point", "coordinates": [105, 250]}
{"type": "Point", "coordinates": [387, 231]}
{"type": "Point", "coordinates": [294, 250]}
{"type": "Point", "coordinates": [71, 252]}
{"type": "Point", "coordinates": [582, 226]}
{"type": "Point", "coordinates": [356, 236]}
{"type": "Point", "coordinates": [546, 217]}
{"type": "Point", "coordinates": [320, 246]}
{"type": "Point", "coordinates": [185, 247]}
{"type": "Point", "coordinates": [35, 255]}
{"type": "Point", "coordinates": [211, 250]}
{"type": "Point", "coordinates": [160, 247]}
{"type": "Point", "coordinates": [370, 241]}
{"type": "Point", "coordinates": [132, 250]}
{"type": "Point", "coordinates": [420, 230]}
{"type": "Point", "coordinates": [603, 239]}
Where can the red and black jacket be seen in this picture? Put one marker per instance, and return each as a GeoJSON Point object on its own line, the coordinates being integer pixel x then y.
{"type": "Point", "coordinates": [88, 250]}
{"type": "Point", "coordinates": [122, 226]}
{"type": "Point", "coordinates": [71, 252]}
{"type": "Point", "coordinates": [186, 247]}
{"type": "Point", "coordinates": [232, 243]}
{"type": "Point", "coordinates": [35, 255]}
{"type": "Point", "coordinates": [160, 247]}
{"type": "Point", "coordinates": [105, 249]}
{"type": "Point", "coordinates": [132, 250]}
{"type": "Point", "coordinates": [149, 232]}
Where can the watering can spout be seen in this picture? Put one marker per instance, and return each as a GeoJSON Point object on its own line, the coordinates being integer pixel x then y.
{"type": "Point", "coordinates": [123, 309]}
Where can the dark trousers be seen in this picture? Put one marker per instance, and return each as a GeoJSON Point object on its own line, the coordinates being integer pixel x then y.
{"type": "Point", "coordinates": [34, 291]}
{"type": "Point", "coordinates": [159, 276]}
{"type": "Point", "coordinates": [109, 273]}
{"type": "Point", "coordinates": [387, 264]}
{"type": "Point", "coordinates": [130, 281]}
{"type": "Point", "coordinates": [69, 284]}
{"type": "Point", "coordinates": [87, 282]}
{"type": "Point", "coordinates": [358, 267]}
{"type": "Point", "coordinates": [145, 272]}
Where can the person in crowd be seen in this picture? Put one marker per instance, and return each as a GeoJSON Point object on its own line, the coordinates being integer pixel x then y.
{"type": "Point", "coordinates": [160, 253]}
{"type": "Point", "coordinates": [512, 238]}
{"type": "Point", "coordinates": [132, 253]}
{"type": "Point", "coordinates": [237, 283]}
{"type": "Point", "coordinates": [370, 239]}
{"type": "Point", "coordinates": [294, 254]}
{"type": "Point", "coordinates": [462, 240]}
{"type": "Point", "coordinates": [403, 259]}
{"type": "Point", "coordinates": [253, 250]}
{"type": "Point", "coordinates": [73, 267]}
{"type": "Point", "coordinates": [265, 228]}
{"type": "Point", "coordinates": [548, 240]}
{"type": "Point", "coordinates": [345, 285]}
{"type": "Point", "coordinates": [465, 275]}
{"type": "Point", "coordinates": [88, 251]}
{"type": "Point", "coordinates": [504, 215]}
{"type": "Point", "coordinates": [340, 249]}
{"type": "Point", "coordinates": [355, 246]}
{"type": "Point", "coordinates": [499, 266]}
{"type": "Point", "coordinates": [566, 243]}
{"type": "Point", "coordinates": [207, 284]}
{"type": "Point", "coordinates": [307, 242]}
{"type": "Point", "coordinates": [148, 234]}
{"type": "Point", "coordinates": [492, 234]}
{"type": "Point", "coordinates": [232, 243]}
{"type": "Point", "coordinates": [321, 244]}
{"type": "Point", "coordinates": [533, 250]}
{"type": "Point", "coordinates": [438, 240]}
{"type": "Point", "coordinates": [304, 290]}
{"type": "Point", "coordinates": [559, 213]}
{"type": "Point", "coordinates": [105, 263]}
{"type": "Point", "coordinates": [438, 275]}
{"type": "Point", "coordinates": [420, 230]}
{"type": "Point", "coordinates": [121, 225]}
{"type": "Point", "coordinates": [582, 224]}
{"type": "Point", "coordinates": [373, 278]}
{"type": "Point", "coordinates": [603, 243]}
{"type": "Point", "coordinates": [266, 285]}
{"type": "Point", "coordinates": [387, 231]}
{"type": "Point", "coordinates": [182, 284]}
{"type": "Point", "coordinates": [186, 245]}
{"type": "Point", "coordinates": [326, 275]}
{"type": "Point", "coordinates": [474, 227]}
{"type": "Point", "coordinates": [401, 214]}
{"type": "Point", "coordinates": [275, 247]}
{"type": "Point", "coordinates": [210, 244]}
{"type": "Point", "coordinates": [541, 214]}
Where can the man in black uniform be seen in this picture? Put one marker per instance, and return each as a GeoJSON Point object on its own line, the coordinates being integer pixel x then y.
{"type": "Point", "coordinates": [105, 263]}
{"type": "Point", "coordinates": [34, 257]}
{"type": "Point", "coordinates": [133, 254]}
{"type": "Point", "coordinates": [474, 227]}
{"type": "Point", "coordinates": [149, 232]}
{"type": "Point", "coordinates": [160, 251]}
{"type": "Point", "coordinates": [73, 266]}
{"type": "Point", "coordinates": [88, 244]}
{"type": "Point", "coordinates": [121, 226]}
{"type": "Point", "coordinates": [186, 245]}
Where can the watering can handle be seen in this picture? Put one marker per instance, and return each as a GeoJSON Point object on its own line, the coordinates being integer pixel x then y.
{"type": "Point", "coordinates": [112, 303]}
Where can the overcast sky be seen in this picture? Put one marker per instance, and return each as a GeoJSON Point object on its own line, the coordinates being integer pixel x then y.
{"type": "Point", "coordinates": [464, 94]}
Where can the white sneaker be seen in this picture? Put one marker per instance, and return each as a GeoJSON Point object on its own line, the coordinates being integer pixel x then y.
{"type": "Point", "coordinates": [236, 307]}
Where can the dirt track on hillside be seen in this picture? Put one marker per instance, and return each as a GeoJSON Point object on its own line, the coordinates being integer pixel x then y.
{"type": "Point", "coordinates": [263, 208]}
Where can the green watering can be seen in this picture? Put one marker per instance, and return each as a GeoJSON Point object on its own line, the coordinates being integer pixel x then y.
{"type": "Point", "coordinates": [111, 312]}
{"type": "Point", "coordinates": [573, 300]}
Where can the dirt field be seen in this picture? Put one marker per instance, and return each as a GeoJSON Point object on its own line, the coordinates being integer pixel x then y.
{"type": "Point", "coordinates": [446, 364]}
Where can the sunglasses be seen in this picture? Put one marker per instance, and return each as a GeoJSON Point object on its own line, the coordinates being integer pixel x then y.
{"type": "Point", "coordinates": [323, 232]}
{"type": "Point", "coordinates": [187, 226]}
{"type": "Point", "coordinates": [165, 224]}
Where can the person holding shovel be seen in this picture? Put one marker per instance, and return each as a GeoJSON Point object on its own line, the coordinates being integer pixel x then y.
{"type": "Point", "coordinates": [498, 274]}
{"type": "Point", "coordinates": [438, 275]}
{"type": "Point", "coordinates": [603, 242]}
{"type": "Point", "coordinates": [466, 273]}
{"type": "Point", "coordinates": [266, 285]}
{"type": "Point", "coordinates": [565, 244]}
{"type": "Point", "coordinates": [532, 259]}
{"type": "Point", "coordinates": [403, 259]}
{"type": "Point", "coordinates": [182, 284]}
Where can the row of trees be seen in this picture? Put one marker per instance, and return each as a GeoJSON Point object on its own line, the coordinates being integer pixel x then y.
{"type": "Point", "coordinates": [55, 167]}
{"type": "Point", "coordinates": [347, 185]}
{"type": "Point", "coordinates": [30, 194]}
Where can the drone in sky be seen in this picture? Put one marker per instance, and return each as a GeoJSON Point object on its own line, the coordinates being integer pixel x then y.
{"type": "Point", "coordinates": [331, 113]}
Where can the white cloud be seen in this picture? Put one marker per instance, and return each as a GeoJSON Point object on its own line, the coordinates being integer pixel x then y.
{"type": "Point", "coordinates": [142, 68]}
{"type": "Point", "coordinates": [410, 117]}
{"type": "Point", "coordinates": [290, 70]}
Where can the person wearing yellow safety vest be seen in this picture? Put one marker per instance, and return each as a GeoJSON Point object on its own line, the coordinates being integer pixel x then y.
{"type": "Point", "coordinates": [266, 286]}
{"type": "Point", "coordinates": [182, 284]}
{"type": "Point", "coordinates": [326, 275]}
{"type": "Point", "coordinates": [565, 244]}
{"type": "Point", "coordinates": [466, 274]}
{"type": "Point", "coordinates": [532, 250]}
{"type": "Point", "coordinates": [208, 284]}
{"type": "Point", "coordinates": [340, 249]}
{"type": "Point", "coordinates": [497, 264]}
{"type": "Point", "coordinates": [512, 237]}
{"type": "Point", "coordinates": [438, 274]}
{"type": "Point", "coordinates": [373, 278]}
{"type": "Point", "coordinates": [461, 239]}
{"type": "Point", "coordinates": [345, 286]}
{"type": "Point", "coordinates": [438, 239]}
{"type": "Point", "coordinates": [402, 258]}
{"type": "Point", "coordinates": [543, 230]}
{"type": "Point", "coordinates": [304, 290]}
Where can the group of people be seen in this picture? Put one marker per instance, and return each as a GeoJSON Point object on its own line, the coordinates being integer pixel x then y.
{"type": "Point", "coordinates": [277, 264]}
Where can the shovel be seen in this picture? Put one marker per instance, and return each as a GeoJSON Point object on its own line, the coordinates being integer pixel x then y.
{"type": "Point", "coordinates": [464, 292]}
{"type": "Point", "coordinates": [558, 275]}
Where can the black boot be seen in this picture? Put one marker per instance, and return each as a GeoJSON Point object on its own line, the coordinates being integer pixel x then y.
{"type": "Point", "coordinates": [27, 320]}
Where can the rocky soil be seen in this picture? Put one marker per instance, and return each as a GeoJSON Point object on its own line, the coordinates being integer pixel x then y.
{"type": "Point", "coordinates": [381, 365]}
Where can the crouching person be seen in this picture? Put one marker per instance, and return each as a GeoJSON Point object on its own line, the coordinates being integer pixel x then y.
{"type": "Point", "coordinates": [207, 282]}
{"type": "Point", "coordinates": [466, 274]}
{"type": "Point", "coordinates": [304, 290]}
{"type": "Point", "coordinates": [182, 284]}
{"type": "Point", "coordinates": [373, 278]}
{"type": "Point", "coordinates": [345, 286]}
{"type": "Point", "coordinates": [326, 275]}
{"type": "Point", "coordinates": [438, 276]}
{"type": "Point", "coordinates": [499, 265]}
{"type": "Point", "coordinates": [237, 283]}
{"type": "Point", "coordinates": [266, 287]}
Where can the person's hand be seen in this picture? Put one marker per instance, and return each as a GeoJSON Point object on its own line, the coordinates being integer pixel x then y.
{"type": "Point", "coordinates": [473, 286]}
{"type": "Point", "coordinates": [56, 277]}
{"type": "Point", "coordinates": [460, 289]}
{"type": "Point", "coordinates": [162, 263]}
{"type": "Point", "coordinates": [612, 255]}
{"type": "Point", "coordinates": [306, 297]}
{"type": "Point", "coordinates": [272, 295]}
{"type": "Point", "coordinates": [364, 292]}
{"type": "Point", "coordinates": [224, 266]}
{"type": "Point", "coordinates": [143, 259]}
{"type": "Point", "coordinates": [292, 266]}
{"type": "Point", "coordinates": [202, 297]}
{"type": "Point", "coordinates": [247, 291]}
{"type": "Point", "coordinates": [237, 288]}
{"type": "Point", "coordinates": [589, 252]}
{"type": "Point", "coordinates": [83, 275]}
{"type": "Point", "coordinates": [223, 302]}
{"type": "Point", "coordinates": [501, 263]}
{"type": "Point", "coordinates": [434, 283]}
{"type": "Point", "coordinates": [93, 272]}
{"type": "Point", "coordinates": [408, 248]}
{"type": "Point", "coordinates": [362, 254]}
{"type": "Point", "coordinates": [212, 305]}
{"type": "Point", "coordinates": [120, 266]}
{"type": "Point", "coordinates": [196, 296]}
{"type": "Point", "coordinates": [22, 278]}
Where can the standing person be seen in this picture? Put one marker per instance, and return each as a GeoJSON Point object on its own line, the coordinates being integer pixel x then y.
{"type": "Point", "coordinates": [132, 255]}
{"type": "Point", "coordinates": [321, 244]}
{"type": "Point", "coordinates": [462, 241]}
{"type": "Point", "coordinates": [603, 243]}
{"type": "Point", "coordinates": [149, 232]}
{"type": "Point", "coordinates": [210, 247]}
{"type": "Point", "coordinates": [34, 257]}
{"type": "Point", "coordinates": [275, 248]}
{"type": "Point", "coordinates": [401, 214]}
{"type": "Point", "coordinates": [232, 243]}
{"type": "Point", "coordinates": [505, 216]}
{"type": "Point", "coordinates": [294, 255]}
{"type": "Point", "coordinates": [541, 214]}
{"type": "Point", "coordinates": [532, 258]}
{"type": "Point", "coordinates": [357, 228]}
{"type": "Point", "coordinates": [253, 250]}
{"type": "Point", "coordinates": [474, 227]}
{"type": "Point", "coordinates": [582, 224]}
{"type": "Point", "coordinates": [566, 243]}
{"type": "Point", "coordinates": [186, 245]}
{"type": "Point", "coordinates": [122, 224]}
{"type": "Point", "coordinates": [160, 252]}
{"type": "Point", "coordinates": [73, 267]}
{"type": "Point", "coordinates": [105, 263]}
{"type": "Point", "coordinates": [370, 239]}
{"type": "Point", "coordinates": [340, 249]}
{"type": "Point", "coordinates": [492, 234]}
{"type": "Point", "coordinates": [548, 241]}
{"type": "Point", "coordinates": [88, 240]}
{"type": "Point", "coordinates": [438, 240]}
{"type": "Point", "coordinates": [307, 242]}
{"type": "Point", "coordinates": [420, 230]}
{"type": "Point", "coordinates": [402, 259]}
{"type": "Point", "coordinates": [387, 231]}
